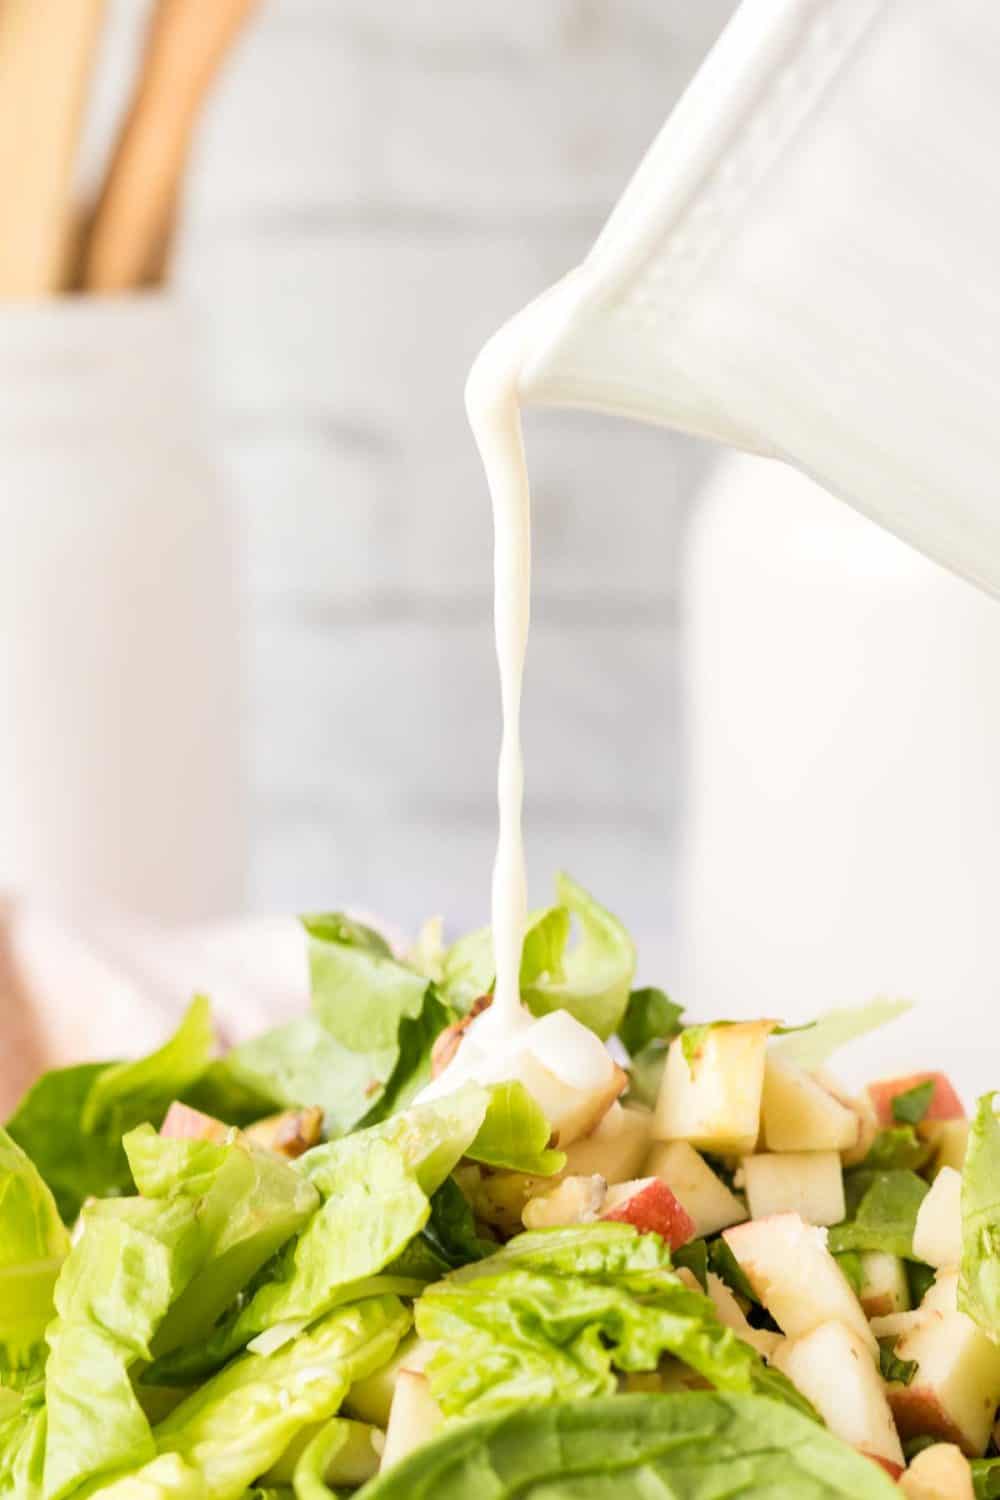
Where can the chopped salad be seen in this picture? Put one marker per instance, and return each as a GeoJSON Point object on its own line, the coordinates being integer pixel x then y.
{"type": "Point", "coordinates": [329, 1262]}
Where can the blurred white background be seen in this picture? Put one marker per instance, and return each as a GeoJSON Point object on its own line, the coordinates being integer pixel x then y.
{"type": "Point", "coordinates": [376, 187]}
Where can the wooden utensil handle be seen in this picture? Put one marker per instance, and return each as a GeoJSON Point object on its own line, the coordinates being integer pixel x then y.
{"type": "Point", "coordinates": [133, 221]}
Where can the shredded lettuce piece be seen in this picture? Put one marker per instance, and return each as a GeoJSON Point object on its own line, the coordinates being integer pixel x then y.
{"type": "Point", "coordinates": [33, 1245]}
{"type": "Point", "coordinates": [882, 1209]}
{"type": "Point", "coordinates": [364, 1052]}
{"type": "Point", "coordinates": [812, 1047]}
{"type": "Point", "coordinates": [71, 1121]}
{"type": "Point", "coordinates": [556, 1313]}
{"type": "Point", "coordinates": [238, 1424]}
{"type": "Point", "coordinates": [591, 979]}
{"type": "Point", "coordinates": [979, 1273]}
{"type": "Point", "coordinates": [705, 1445]}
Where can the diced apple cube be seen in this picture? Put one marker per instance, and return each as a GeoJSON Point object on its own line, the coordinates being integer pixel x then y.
{"type": "Point", "coordinates": [956, 1388]}
{"type": "Point", "coordinates": [861, 1106]}
{"type": "Point", "coordinates": [182, 1123]}
{"type": "Point", "coordinates": [370, 1399]}
{"type": "Point", "coordinates": [703, 1193]}
{"type": "Point", "coordinates": [944, 1105]}
{"type": "Point", "coordinates": [731, 1315]}
{"type": "Point", "coordinates": [576, 1200]}
{"type": "Point", "coordinates": [937, 1234]}
{"type": "Point", "coordinates": [649, 1205]}
{"type": "Point", "coordinates": [414, 1419]}
{"type": "Point", "coordinates": [615, 1150]}
{"type": "Point", "coordinates": [951, 1140]}
{"type": "Point", "coordinates": [807, 1183]}
{"type": "Point", "coordinates": [884, 1287]}
{"type": "Point", "coordinates": [796, 1278]}
{"type": "Point", "coordinates": [572, 1112]}
{"type": "Point", "coordinates": [799, 1114]}
{"type": "Point", "coordinates": [940, 1472]}
{"type": "Point", "coordinates": [834, 1369]}
{"type": "Point", "coordinates": [713, 1101]}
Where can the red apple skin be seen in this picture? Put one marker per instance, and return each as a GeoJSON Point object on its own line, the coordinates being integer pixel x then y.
{"type": "Point", "coordinates": [654, 1207]}
{"type": "Point", "coordinates": [945, 1103]}
{"type": "Point", "coordinates": [182, 1123]}
{"type": "Point", "coordinates": [893, 1469]}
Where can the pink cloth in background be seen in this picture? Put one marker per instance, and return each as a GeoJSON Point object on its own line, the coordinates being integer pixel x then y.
{"type": "Point", "coordinates": [71, 994]}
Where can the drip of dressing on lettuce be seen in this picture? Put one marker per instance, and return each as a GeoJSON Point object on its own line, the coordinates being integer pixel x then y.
{"type": "Point", "coordinates": [493, 1044]}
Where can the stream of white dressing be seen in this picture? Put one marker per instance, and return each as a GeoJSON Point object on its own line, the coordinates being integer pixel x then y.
{"type": "Point", "coordinates": [493, 1044]}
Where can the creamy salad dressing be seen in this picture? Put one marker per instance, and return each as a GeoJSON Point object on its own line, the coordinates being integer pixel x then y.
{"type": "Point", "coordinates": [494, 1042]}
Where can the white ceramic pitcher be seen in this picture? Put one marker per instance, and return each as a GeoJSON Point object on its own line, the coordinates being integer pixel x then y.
{"type": "Point", "coordinates": [807, 265]}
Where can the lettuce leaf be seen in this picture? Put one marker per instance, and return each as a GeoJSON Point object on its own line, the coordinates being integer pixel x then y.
{"type": "Point", "coordinates": [883, 1209]}
{"type": "Point", "coordinates": [515, 1134]}
{"type": "Point", "coordinates": [237, 1425]}
{"type": "Point", "coordinates": [148, 1274]}
{"type": "Point", "coordinates": [71, 1121]}
{"type": "Point", "coordinates": [591, 979]}
{"type": "Point", "coordinates": [650, 1016]}
{"type": "Point", "coordinates": [813, 1046]}
{"type": "Point", "coordinates": [248, 1204]}
{"type": "Point", "coordinates": [33, 1245]}
{"type": "Point", "coordinates": [700, 1446]}
{"type": "Point", "coordinates": [979, 1272]}
{"type": "Point", "coordinates": [556, 1313]}
{"type": "Point", "coordinates": [364, 1052]}
{"type": "Point", "coordinates": [375, 1188]}
{"type": "Point", "coordinates": [128, 1093]}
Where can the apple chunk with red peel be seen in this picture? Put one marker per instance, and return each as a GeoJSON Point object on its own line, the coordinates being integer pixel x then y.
{"type": "Point", "coordinates": [702, 1192]}
{"type": "Point", "coordinates": [616, 1149]}
{"type": "Point", "coordinates": [940, 1472]}
{"type": "Point", "coordinates": [648, 1204]}
{"type": "Point", "coordinates": [937, 1234]}
{"type": "Point", "coordinates": [799, 1114]}
{"type": "Point", "coordinates": [790, 1269]}
{"type": "Point", "coordinates": [835, 1369]}
{"type": "Point", "coordinates": [807, 1183]}
{"type": "Point", "coordinates": [945, 1103]}
{"type": "Point", "coordinates": [713, 1099]}
{"type": "Point", "coordinates": [956, 1389]}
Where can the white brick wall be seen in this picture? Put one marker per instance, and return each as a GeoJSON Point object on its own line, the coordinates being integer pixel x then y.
{"type": "Point", "coordinates": [377, 186]}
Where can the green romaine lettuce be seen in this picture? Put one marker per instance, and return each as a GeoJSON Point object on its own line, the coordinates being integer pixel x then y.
{"type": "Point", "coordinates": [33, 1245]}
{"type": "Point", "coordinates": [376, 1187]}
{"type": "Point", "coordinates": [882, 1208]}
{"type": "Point", "coordinates": [71, 1121]}
{"type": "Point", "coordinates": [591, 979]}
{"type": "Point", "coordinates": [979, 1275]}
{"type": "Point", "coordinates": [248, 1204]}
{"type": "Point", "coordinates": [650, 1016]}
{"type": "Point", "coordinates": [148, 1274]}
{"type": "Point", "coordinates": [237, 1425]}
{"type": "Point", "coordinates": [127, 1094]}
{"type": "Point", "coordinates": [556, 1313]}
{"type": "Point", "coordinates": [365, 1050]}
{"type": "Point", "coordinates": [515, 1134]}
{"type": "Point", "coordinates": [699, 1446]}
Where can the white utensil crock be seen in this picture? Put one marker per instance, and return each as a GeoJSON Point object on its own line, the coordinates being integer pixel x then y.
{"type": "Point", "coordinates": [807, 264]}
{"type": "Point", "coordinates": [120, 769]}
{"type": "Point", "coordinates": [842, 784]}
